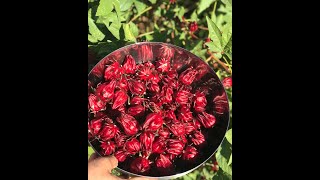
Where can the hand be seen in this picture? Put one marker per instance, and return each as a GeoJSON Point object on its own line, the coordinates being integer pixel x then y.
{"type": "Point", "coordinates": [99, 168]}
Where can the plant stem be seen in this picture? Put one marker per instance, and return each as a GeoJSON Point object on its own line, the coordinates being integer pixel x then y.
{"type": "Point", "coordinates": [144, 34]}
{"type": "Point", "coordinates": [203, 28]}
{"type": "Point", "coordinates": [219, 62]}
{"type": "Point", "coordinates": [227, 63]}
{"type": "Point", "coordinates": [215, 6]}
{"type": "Point", "coordinates": [139, 14]}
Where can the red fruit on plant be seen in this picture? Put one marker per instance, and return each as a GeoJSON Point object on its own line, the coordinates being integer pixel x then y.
{"type": "Point", "coordinates": [206, 119]}
{"type": "Point", "coordinates": [113, 71]}
{"type": "Point", "coordinates": [132, 146]}
{"type": "Point", "coordinates": [227, 82]}
{"type": "Point", "coordinates": [207, 40]}
{"type": "Point", "coordinates": [159, 145]}
{"type": "Point", "coordinates": [174, 146]}
{"type": "Point", "coordinates": [163, 162]}
{"type": "Point", "coordinates": [187, 76]}
{"type": "Point", "coordinates": [95, 103]}
{"type": "Point", "coordinates": [215, 167]}
{"type": "Point", "coordinates": [164, 132]}
{"type": "Point", "coordinates": [140, 165]}
{"type": "Point", "coordinates": [183, 97]}
{"type": "Point", "coordinates": [135, 110]}
{"type": "Point", "coordinates": [220, 104]}
{"type": "Point", "coordinates": [189, 153]}
{"type": "Point", "coordinates": [144, 73]}
{"type": "Point", "coordinates": [137, 100]}
{"type": "Point", "coordinates": [120, 97]}
{"type": "Point", "coordinates": [153, 122]}
{"type": "Point", "coordinates": [146, 140]}
{"type": "Point", "coordinates": [172, 1]}
{"type": "Point", "coordinates": [120, 155]}
{"type": "Point", "coordinates": [197, 138]}
{"type": "Point", "coordinates": [200, 102]}
{"type": "Point", "coordinates": [129, 124]}
{"type": "Point", "coordinates": [163, 65]}
{"type": "Point", "coordinates": [109, 131]}
{"type": "Point", "coordinates": [108, 147]}
{"type": "Point", "coordinates": [193, 26]}
{"type": "Point", "coordinates": [129, 65]}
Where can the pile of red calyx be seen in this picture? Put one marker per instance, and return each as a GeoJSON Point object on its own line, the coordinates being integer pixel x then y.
{"type": "Point", "coordinates": [150, 113]}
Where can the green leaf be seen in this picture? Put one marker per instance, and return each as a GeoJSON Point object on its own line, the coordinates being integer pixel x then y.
{"type": "Point", "coordinates": [104, 8]}
{"type": "Point", "coordinates": [220, 175]}
{"type": "Point", "coordinates": [94, 31]}
{"type": "Point", "coordinates": [134, 29]}
{"type": "Point", "coordinates": [111, 17]}
{"type": "Point", "coordinates": [204, 4]}
{"type": "Point", "coordinates": [222, 156]}
{"type": "Point", "coordinates": [127, 33]}
{"type": "Point", "coordinates": [215, 36]}
{"type": "Point", "coordinates": [229, 136]}
{"type": "Point", "coordinates": [153, 1]}
{"type": "Point", "coordinates": [227, 2]}
{"type": "Point", "coordinates": [186, 177]}
{"type": "Point", "coordinates": [228, 48]}
{"type": "Point", "coordinates": [139, 5]}
{"type": "Point", "coordinates": [226, 33]}
{"type": "Point", "coordinates": [194, 16]}
{"type": "Point", "coordinates": [206, 173]}
{"type": "Point", "coordinates": [90, 151]}
{"type": "Point", "coordinates": [116, 4]}
{"type": "Point", "coordinates": [181, 13]}
{"type": "Point", "coordinates": [92, 39]}
{"type": "Point", "coordinates": [114, 28]}
{"type": "Point", "coordinates": [125, 4]}
{"type": "Point", "coordinates": [230, 160]}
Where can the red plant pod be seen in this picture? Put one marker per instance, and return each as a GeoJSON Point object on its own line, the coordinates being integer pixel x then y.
{"type": "Point", "coordinates": [146, 140]}
{"type": "Point", "coordinates": [129, 65]}
{"type": "Point", "coordinates": [193, 26]}
{"type": "Point", "coordinates": [159, 145]}
{"type": "Point", "coordinates": [121, 155]}
{"type": "Point", "coordinates": [140, 165]}
{"type": "Point", "coordinates": [129, 124]}
{"type": "Point", "coordinates": [153, 122]}
{"type": "Point", "coordinates": [189, 153]}
{"type": "Point", "coordinates": [108, 131]}
{"type": "Point", "coordinates": [207, 120]}
{"type": "Point", "coordinates": [108, 147]}
{"type": "Point", "coordinates": [187, 76]}
{"type": "Point", "coordinates": [132, 146]}
{"type": "Point", "coordinates": [197, 138]}
{"type": "Point", "coordinates": [163, 162]}
{"type": "Point", "coordinates": [135, 110]}
{"type": "Point", "coordinates": [95, 103]}
{"type": "Point", "coordinates": [120, 98]}
{"type": "Point", "coordinates": [113, 71]}
{"type": "Point", "coordinates": [227, 82]}
{"type": "Point", "coordinates": [174, 146]}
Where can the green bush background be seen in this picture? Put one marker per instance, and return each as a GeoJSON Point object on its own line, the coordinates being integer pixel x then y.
{"type": "Point", "coordinates": [115, 23]}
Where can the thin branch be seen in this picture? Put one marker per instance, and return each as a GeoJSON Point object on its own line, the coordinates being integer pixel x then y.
{"type": "Point", "coordinates": [139, 14]}
{"type": "Point", "coordinates": [144, 34]}
{"type": "Point", "coordinates": [219, 62]}
{"type": "Point", "coordinates": [203, 28]}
